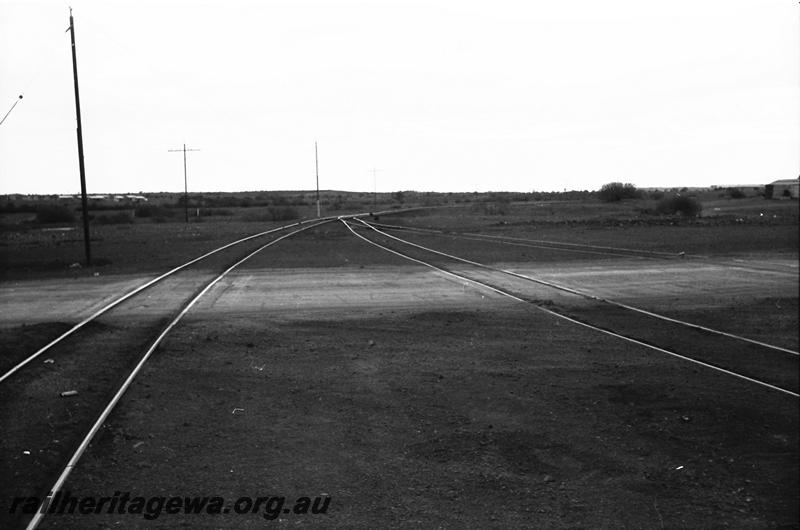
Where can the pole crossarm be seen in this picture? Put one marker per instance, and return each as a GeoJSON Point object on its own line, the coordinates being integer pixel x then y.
{"type": "Point", "coordinates": [184, 150]}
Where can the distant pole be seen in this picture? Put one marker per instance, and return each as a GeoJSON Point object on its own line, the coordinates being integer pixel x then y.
{"type": "Point", "coordinates": [316, 163]}
{"type": "Point", "coordinates": [84, 199]}
{"type": "Point", "coordinates": [185, 186]}
{"type": "Point", "coordinates": [375, 189]}
{"type": "Point", "coordinates": [185, 180]}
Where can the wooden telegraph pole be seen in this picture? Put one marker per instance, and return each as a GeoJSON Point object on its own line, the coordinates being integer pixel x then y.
{"type": "Point", "coordinates": [375, 189]}
{"type": "Point", "coordinates": [84, 200]}
{"type": "Point", "coordinates": [316, 162]}
{"type": "Point", "coordinates": [185, 180]}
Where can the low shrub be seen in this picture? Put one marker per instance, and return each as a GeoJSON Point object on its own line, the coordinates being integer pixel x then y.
{"type": "Point", "coordinates": [679, 204]}
{"type": "Point", "coordinates": [54, 213]}
{"type": "Point", "coordinates": [495, 208]}
{"type": "Point", "coordinates": [210, 212]}
{"type": "Point", "coordinates": [616, 191]}
{"type": "Point", "coordinates": [114, 219]}
{"type": "Point", "coordinates": [338, 203]}
{"type": "Point", "coordinates": [272, 213]}
{"type": "Point", "coordinates": [150, 210]}
{"type": "Point", "coordinates": [735, 193]}
{"type": "Point", "coordinates": [282, 213]}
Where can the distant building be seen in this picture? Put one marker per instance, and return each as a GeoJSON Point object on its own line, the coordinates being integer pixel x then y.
{"type": "Point", "coordinates": [129, 198]}
{"type": "Point", "coordinates": [746, 190]}
{"type": "Point", "coordinates": [101, 198]}
{"type": "Point", "coordinates": [782, 189]}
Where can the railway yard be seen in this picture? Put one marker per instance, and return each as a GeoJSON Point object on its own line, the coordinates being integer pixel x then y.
{"type": "Point", "coordinates": [421, 369]}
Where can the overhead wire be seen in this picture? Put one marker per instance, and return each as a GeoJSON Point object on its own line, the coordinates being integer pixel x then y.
{"type": "Point", "coordinates": [12, 108]}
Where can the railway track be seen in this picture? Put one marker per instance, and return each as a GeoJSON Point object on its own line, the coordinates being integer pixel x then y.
{"type": "Point", "coordinates": [769, 366]}
{"type": "Point", "coordinates": [55, 400]}
{"type": "Point", "coordinates": [10, 365]}
{"type": "Point", "coordinates": [538, 243]}
{"type": "Point", "coordinates": [106, 360]}
{"type": "Point", "coordinates": [590, 296]}
{"type": "Point", "coordinates": [597, 250]}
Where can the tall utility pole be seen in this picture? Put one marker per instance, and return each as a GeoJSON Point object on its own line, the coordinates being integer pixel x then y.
{"type": "Point", "coordinates": [84, 199]}
{"type": "Point", "coordinates": [185, 179]}
{"type": "Point", "coordinates": [316, 163]}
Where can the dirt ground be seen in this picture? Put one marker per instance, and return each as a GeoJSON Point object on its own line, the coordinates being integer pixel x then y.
{"type": "Point", "coordinates": [326, 367]}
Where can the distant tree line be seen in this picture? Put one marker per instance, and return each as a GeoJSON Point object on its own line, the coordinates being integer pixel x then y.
{"type": "Point", "coordinates": [234, 201]}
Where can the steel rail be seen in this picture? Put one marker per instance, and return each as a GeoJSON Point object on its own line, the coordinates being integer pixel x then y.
{"type": "Point", "coordinates": [543, 243]}
{"type": "Point", "coordinates": [132, 293]}
{"type": "Point", "coordinates": [575, 321]}
{"type": "Point", "coordinates": [590, 296]}
{"type": "Point", "coordinates": [163, 276]}
{"type": "Point", "coordinates": [708, 259]}
{"type": "Point", "coordinates": [41, 511]}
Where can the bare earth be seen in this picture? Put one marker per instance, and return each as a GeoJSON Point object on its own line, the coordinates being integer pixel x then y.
{"type": "Point", "coordinates": [322, 293]}
{"type": "Point", "coordinates": [413, 399]}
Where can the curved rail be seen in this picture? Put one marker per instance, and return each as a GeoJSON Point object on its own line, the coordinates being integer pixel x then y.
{"type": "Point", "coordinates": [575, 321]}
{"type": "Point", "coordinates": [165, 275]}
{"type": "Point", "coordinates": [587, 295]}
{"type": "Point", "coordinates": [41, 512]}
{"type": "Point", "coordinates": [542, 243]}
{"type": "Point", "coordinates": [132, 293]}
{"type": "Point", "coordinates": [581, 248]}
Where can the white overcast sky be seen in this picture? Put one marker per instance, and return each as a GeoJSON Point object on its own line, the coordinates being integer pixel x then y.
{"type": "Point", "coordinates": [437, 95]}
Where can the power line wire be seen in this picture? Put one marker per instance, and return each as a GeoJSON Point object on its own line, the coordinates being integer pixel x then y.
{"type": "Point", "coordinates": [12, 108]}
